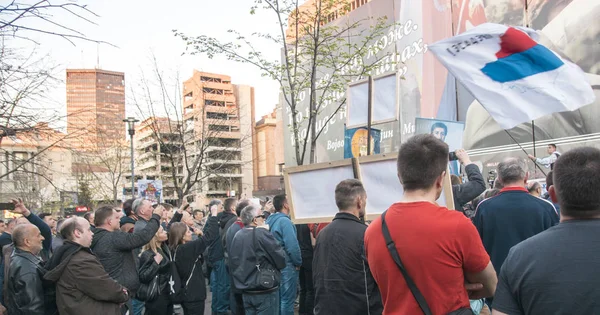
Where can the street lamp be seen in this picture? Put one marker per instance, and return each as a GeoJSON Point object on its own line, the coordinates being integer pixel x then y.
{"type": "Point", "coordinates": [131, 128]}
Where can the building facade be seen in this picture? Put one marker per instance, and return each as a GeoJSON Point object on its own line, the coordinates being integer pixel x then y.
{"type": "Point", "coordinates": [157, 142]}
{"type": "Point", "coordinates": [218, 120]}
{"type": "Point", "coordinates": [95, 106]}
{"type": "Point", "coordinates": [268, 156]}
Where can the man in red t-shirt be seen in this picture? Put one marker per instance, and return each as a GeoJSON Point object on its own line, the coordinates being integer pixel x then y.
{"type": "Point", "coordinates": [440, 248]}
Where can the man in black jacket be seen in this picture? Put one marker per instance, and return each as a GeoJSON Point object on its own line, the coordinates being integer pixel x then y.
{"type": "Point", "coordinates": [115, 248]}
{"type": "Point", "coordinates": [475, 186]}
{"type": "Point", "coordinates": [25, 291]}
{"type": "Point", "coordinates": [342, 278]}
{"type": "Point", "coordinates": [219, 276]}
{"type": "Point", "coordinates": [307, 289]}
{"type": "Point", "coordinates": [254, 249]}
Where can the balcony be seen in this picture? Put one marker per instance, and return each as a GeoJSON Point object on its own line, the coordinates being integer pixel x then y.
{"type": "Point", "coordinates": [215, 148]}
{"type": "Point", "coordinates": [146, 155]}
{"type": "Point", "coordinates": [223, 122]}
{"type": "Point", "coordinates": [209, 162]}
{"type": "Point", "coordinates": [147, 164]}
{"type": "Point", "coordinates": [219, 86]}
{"type": "Point", "coordinates": [224, 134]}
{"type": "Point", "coordinates": [218, 97]}
{"type": "Point", "coordinates": [216, 192]}
{"type": "Point", "coordinates": [228, 109]}
{"type": "Point", "coordinates": [225, 175]}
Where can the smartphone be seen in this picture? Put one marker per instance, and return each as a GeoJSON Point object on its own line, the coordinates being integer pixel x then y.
{"type": "Point", "coordinates": [189, 198]}
{"type": "Point", "coordinates": [7, 206]}
{"type": "Point", "coordinates": [452, 156]}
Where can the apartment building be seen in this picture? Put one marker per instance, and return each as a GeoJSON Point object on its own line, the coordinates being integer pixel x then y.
{"type": "Point", "coordinates": [218, 119]}
{"type": "Point", "coordinates": [95, 107]}
{"type": "Point", "coordinates": [157, 143]}
{"type": "Point", "coordinates": [268, 156]}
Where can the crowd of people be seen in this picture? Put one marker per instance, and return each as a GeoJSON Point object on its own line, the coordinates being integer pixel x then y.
{"type": "Point", "coordinates": [508, 249]}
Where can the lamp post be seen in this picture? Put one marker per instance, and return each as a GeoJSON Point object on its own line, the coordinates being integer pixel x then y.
{"type": "Point", "coordinates": [131, 128]}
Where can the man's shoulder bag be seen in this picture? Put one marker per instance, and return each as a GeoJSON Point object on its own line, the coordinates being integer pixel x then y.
{"type": "Point", "coordinates": [411, 284]}
{"type": "Point", "coordinates": [267, 277]}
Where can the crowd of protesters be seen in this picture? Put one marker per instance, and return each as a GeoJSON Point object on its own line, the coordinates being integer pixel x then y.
{"type": "Point", "coordinates": [507, 250]}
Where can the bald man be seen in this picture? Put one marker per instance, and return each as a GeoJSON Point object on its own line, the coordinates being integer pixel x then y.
{"type": "Point", "coordinates": [82, 284]}
{"type": "Point", "coordinates": [25, 291]}
{"type": "Point", "coordinates": [26, 218]}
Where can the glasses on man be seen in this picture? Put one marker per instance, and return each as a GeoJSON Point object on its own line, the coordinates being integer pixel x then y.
{"type": "Point", "coordinates": [262, 216]}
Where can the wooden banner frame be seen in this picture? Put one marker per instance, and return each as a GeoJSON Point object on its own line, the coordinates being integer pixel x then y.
{"type": "Point", "coordinates": [447, 184]}
{"type": "Point", "coordinates": [312, 167]}
{"type": "Point", "coordinates": [356, 167]}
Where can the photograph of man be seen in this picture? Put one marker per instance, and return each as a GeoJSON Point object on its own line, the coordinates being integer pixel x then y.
{"type": "Point", "coordinates": [439, 130]}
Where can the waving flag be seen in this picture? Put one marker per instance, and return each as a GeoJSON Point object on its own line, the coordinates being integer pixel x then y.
{"type": "Point", "coordinates": [513, 77]}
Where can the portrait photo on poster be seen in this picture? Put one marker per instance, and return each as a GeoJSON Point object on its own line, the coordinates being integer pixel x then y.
{"type": "Point", "coordinates": [451, 132]}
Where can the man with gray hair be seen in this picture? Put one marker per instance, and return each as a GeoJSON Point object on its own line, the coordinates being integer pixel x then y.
{"type": "Point", "coordinates": [513, 215]}
{"type": "Point", "coordinates": [255, 256]}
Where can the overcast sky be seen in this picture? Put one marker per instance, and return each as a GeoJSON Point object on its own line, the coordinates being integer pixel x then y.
{"type": "Point", "coordinates": [142, 28]}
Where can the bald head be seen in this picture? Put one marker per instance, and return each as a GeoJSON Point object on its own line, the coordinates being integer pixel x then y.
{"type": "Point", "coordinates": [77, 230]}
{"type": "Point", "coordinates": [27, 237]}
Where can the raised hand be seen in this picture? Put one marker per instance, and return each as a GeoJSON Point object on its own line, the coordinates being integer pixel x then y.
{"type": "Point", "coordinates": [20, 207]}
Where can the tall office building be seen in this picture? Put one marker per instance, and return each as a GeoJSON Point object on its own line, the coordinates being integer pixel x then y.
{"type": "Point", "coordinates": [219, 119]}
{"type": "Point", "coordinates": [95, 107]}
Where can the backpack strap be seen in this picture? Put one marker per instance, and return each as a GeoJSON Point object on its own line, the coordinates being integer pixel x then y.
{"type": "Point", "coordinates": [396, 257]}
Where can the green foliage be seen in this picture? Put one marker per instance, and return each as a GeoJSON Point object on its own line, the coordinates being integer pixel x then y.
{"type": "Point", "coordinates": [322, 52]}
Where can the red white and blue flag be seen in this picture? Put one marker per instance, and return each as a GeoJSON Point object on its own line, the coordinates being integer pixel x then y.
{"type": "Point", "coordinates": [515, 78]}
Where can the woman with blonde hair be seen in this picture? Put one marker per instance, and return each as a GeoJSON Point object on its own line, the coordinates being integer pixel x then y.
{"type": "Point", "coordinates": [187, 256]}
{"type": "Point", "coordinates": [154, 272]}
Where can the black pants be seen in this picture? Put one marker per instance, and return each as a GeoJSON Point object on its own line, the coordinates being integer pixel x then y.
{"type": "Point", "coordinates": [307, 292]}
{"type": "Point", "coordinates": [161, 306]}
{"type": "Point", "coordinates": [193, 308]}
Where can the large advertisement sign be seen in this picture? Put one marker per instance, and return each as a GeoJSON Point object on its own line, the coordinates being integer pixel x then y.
{"type": "Point", "coordinates": [569, 27]}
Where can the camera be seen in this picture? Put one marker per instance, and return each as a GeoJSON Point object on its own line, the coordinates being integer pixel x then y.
{"type": "Point", "coordinates": [452, 156]}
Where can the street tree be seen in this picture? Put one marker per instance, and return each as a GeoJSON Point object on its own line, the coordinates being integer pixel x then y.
{"type": "Point", "coordinates": [186, 146]}
{"type": "Point", "coordinates": [322, 52]}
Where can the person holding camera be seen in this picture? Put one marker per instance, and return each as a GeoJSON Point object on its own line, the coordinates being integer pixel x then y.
{"type": "Point", "coordinates": [256, 261]}
{"type": "Point", "coordinates": [475, 186]}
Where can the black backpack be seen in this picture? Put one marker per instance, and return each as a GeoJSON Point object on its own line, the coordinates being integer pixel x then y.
{"type": "Point", "coordinates": [177, 289]}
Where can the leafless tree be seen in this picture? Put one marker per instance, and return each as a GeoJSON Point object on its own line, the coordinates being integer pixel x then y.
{"type": "Point", "coordinates": [183, 139]}
{"type": "Point", "coordinates": [22, 20]}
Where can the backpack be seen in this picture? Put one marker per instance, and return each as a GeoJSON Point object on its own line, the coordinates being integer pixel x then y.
{"type": "Point", "coordinates": [177, 289]}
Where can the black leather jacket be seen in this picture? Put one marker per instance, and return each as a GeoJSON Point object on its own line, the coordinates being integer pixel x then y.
{"type": "Point", "coordinates": [25, 293]}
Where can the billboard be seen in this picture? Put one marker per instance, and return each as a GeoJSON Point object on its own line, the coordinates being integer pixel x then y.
{"type": "Point", "coordinates": [569, 27]}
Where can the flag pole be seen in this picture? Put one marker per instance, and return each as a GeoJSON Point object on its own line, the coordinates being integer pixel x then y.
{"type": "Point", "coordinates": [515, 140]}
{"type": "Point", "coordinates": [533, 134]}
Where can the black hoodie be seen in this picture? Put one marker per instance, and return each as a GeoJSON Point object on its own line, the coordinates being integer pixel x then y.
{"type": "Point", "coordinates": [215, 250]}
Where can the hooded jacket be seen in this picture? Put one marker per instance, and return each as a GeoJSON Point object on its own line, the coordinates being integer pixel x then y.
{"type": "Point", "coordinates": [215, 250]}
{"type": "Point", "coordinates": [284, 231]}
{"type": "Point", "coordinates": [82, 284]}
{"type": "Point", "coordinates": [115, 251]}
